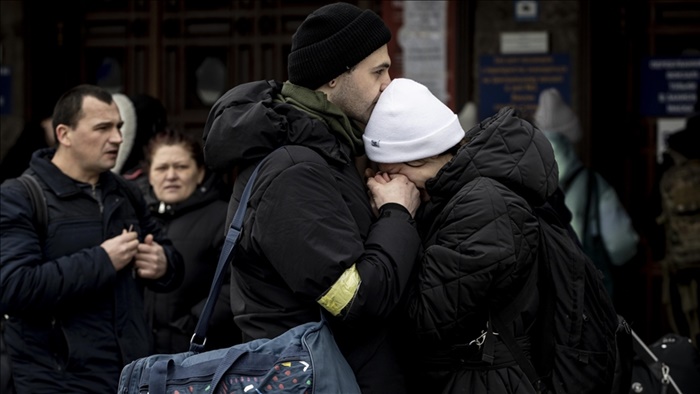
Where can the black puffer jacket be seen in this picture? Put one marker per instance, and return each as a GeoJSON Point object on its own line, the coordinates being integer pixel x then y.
{"type": "Point", "coordinates": [481, 241]}
{"type": "Point", "coordinates": [196, 228]}
{"type": "Point", "coordinates": [308, 221]}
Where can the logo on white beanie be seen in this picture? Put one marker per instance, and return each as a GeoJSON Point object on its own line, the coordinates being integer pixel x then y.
{"type": "Point", "coordinates": [409, 123]}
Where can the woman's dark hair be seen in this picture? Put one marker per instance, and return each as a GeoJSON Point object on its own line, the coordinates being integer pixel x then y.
{"type": "Point", "coordinates": [454, 149]}
{"type": "Point", "coordinates": [171, 137]}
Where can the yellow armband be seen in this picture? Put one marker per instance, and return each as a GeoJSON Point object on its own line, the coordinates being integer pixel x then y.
{"type": "Point", "coordinates": [342, 292]}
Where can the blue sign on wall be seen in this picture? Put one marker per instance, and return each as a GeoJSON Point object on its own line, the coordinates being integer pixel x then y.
{"type": "Point", "coordinates": [669, 86]}
{"type": "Point", "coordinates": [5, 91]}
{"type": "Point", "coordinates": [517, 80]}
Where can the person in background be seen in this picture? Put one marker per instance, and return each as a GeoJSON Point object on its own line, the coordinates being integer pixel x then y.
{"type": "Point", "coordinates": [183, 198]}
{"type": "Point", "coordinates": [311, 243]}
{"type": "Point", "coordinates": [144, 116]}
{"type": "Point", "coordinates": [674, 231]}
{"type": "Point", "coordinates": [598, 217]}
{"type": "Point", "coordinates": [36, 134]}
{"type": "Point", "coordinates": [477, 227]}
{"type": "Point", "coordinates": [682, 145]}
{"type": "Point", "coordinates": [74, 291]}
{"type": "Point", "coordinates": [128, 129]}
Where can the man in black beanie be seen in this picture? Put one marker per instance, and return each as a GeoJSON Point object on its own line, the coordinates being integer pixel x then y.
{"type": "Point", "coordinates": [311, 241]}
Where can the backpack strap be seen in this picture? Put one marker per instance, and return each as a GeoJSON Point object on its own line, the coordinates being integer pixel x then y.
{"type": "Point", "coordinates": [38, 200]}
{"type": "Point", "coordinates": [592, 197]}
{"type": "Point", "coordinates": [540, 279]}
{"type": "Point", "coordinates": [500, 319]}
{"type": "Point", "coordinates": [660, 370]}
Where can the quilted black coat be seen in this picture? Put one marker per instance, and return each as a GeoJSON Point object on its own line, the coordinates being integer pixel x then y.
{"type": "Point", "coordinates": [481, 242]}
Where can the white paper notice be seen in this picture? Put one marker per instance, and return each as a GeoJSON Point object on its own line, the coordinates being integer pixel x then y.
{"type": "Point", "coordinates": [424, 43]}
{"type": "Point", "coordinates": [524, 42]}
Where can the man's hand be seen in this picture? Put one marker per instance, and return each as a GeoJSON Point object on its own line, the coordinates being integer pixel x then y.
{"type": "Point", "coordinates": [150, 262]}
{"type": "Point", "coordinates": [122, 248]}
{"type": "Point", "coordinates": [395, 188]}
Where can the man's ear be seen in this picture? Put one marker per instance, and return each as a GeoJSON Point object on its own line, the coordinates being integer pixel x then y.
{"type": "Point", "coordinates": [328, 87]}
{"type": "Point", "coordinates": [62, 135]}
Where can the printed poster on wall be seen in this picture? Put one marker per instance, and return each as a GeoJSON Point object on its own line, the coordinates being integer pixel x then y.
{"type": "Point", "coordinates": [517, 80]}
{"type": "Point", "coordinates": [669, 86]}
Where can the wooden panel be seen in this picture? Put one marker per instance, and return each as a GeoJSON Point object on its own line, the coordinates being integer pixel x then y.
{"type": "Point", "coordinates": [161, 45]}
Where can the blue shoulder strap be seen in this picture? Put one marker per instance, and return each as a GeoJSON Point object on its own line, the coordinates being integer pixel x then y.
{"type": "Point", "coordinates": [199, 338]}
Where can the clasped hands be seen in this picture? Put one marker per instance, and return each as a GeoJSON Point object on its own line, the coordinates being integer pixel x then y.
{"type": "Point", "coordinates": [148, 256]}
{"type": "Point", "coordinates": [392, 188]}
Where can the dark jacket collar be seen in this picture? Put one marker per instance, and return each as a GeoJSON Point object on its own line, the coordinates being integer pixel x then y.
{"type": "Point", "coordinates": [61, 184]}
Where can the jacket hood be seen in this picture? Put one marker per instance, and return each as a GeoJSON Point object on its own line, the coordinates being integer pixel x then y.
{"type": "Point", "coordinates": [508, 149]}
{"type": "Point", "coordinates": [128, 129]}
{"type": "Point", "coordinates": [249, 121]}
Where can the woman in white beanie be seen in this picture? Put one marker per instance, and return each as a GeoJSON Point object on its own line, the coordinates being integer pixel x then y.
{"type": "Point", "coordinates": [478, 230]}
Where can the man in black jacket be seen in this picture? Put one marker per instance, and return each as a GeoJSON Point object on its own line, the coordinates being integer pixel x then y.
{"type": "Point", "coordinates": [74, 290]}
{"type": "Point", "coordinates": [311, 242]}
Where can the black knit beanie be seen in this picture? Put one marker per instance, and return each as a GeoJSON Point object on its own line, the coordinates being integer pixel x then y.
{"type": "Point", "coordinates": [331, 40]}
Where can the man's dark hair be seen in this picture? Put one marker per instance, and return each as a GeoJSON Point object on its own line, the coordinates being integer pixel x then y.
{"type": "Point", "coordinates": [68, 109]}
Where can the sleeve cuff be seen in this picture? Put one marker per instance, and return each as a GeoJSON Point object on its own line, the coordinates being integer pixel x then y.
{"type": "Point", "coordinates": [393, 209]}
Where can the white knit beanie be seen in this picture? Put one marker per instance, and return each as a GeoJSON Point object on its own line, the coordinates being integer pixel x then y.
{"type": "Point", "coordinates": [554, 115]}
{"type": "Point", "coordinates": [410, 123]}
{"type": "Point", "coordinates": [128, 115]}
